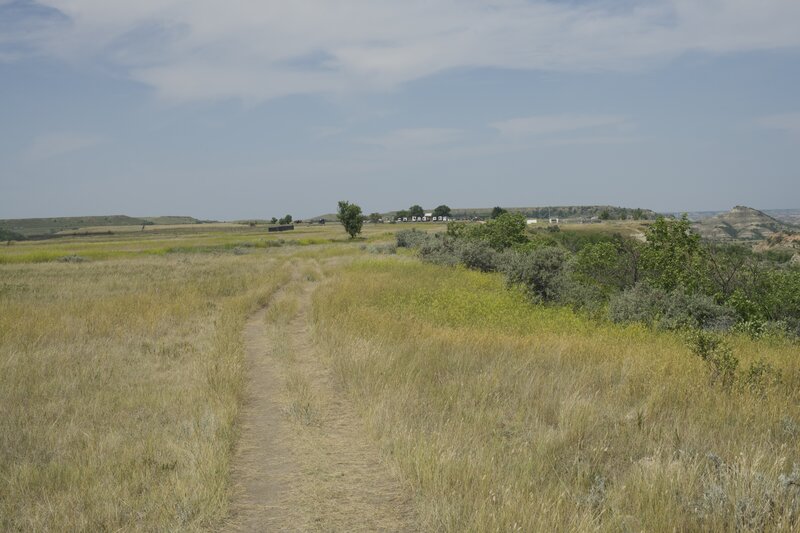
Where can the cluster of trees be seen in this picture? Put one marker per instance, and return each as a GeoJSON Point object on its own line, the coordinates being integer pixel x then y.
{"type": "Point", "coordinates": [8, 235]}
{"type": "Point", "coordinates": [352, 218]}
{"type": "Point", "coordinates": [284, 220]}
{"type": "Point", "coordinates": [671, 280]}
{"type": "Point", "coordinates": [417, 211]}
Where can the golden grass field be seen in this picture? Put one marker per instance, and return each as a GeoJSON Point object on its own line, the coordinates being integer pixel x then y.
{"type": "Point", "coordinates": [511, 417]}
{"type": "Point", "coordinates": [122, 374]}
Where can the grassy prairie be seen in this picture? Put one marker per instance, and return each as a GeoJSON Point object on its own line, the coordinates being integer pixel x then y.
{"type": "Point", "coordinates": [199, 238]}
{"type": "Point", "coordinates": [121, 380]}
{"type": "Point", "coordinates": [505, 416]}
{"type": "Point", "coordinates": [121, 372]}
{"type": "Point", "coordinates": [120, 383]}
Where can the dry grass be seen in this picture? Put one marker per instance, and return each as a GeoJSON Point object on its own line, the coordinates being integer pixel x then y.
{"type": "Point", "coordinates": [200, 238]}
{"type": "Point", "coordinates": [121, 380]}
{"type": "Point", "coordinates": [507, 417]}
{"type": "Point", "coordinates": [120, 383]}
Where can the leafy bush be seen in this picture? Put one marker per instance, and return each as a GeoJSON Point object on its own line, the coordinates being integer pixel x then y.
{"type": "Point", "coordinates": [540, 271]}
{"type": "Point", "coordinates": [668, 309]}
{"type": "Point", "coordinates": [8, 235]}
{"type": "Point", "coordinates": [440, 250]}
{"type": "Point", "coordinates": [477, 255]}
{"type": "Point", "coordinates": [388, 249]}
{"type": "Point", "coordinates": [673, 257]}
{"type": "Point", "coordinates": [719, 357]}
{"type": "Point", "coordinates": [759, 376]}
{"type": "Point", "coordinates": [410, 238]}
{"type": "Point", "coordinates": [505, 231]}
{"type": "Point", "coordinates": [599, 265]}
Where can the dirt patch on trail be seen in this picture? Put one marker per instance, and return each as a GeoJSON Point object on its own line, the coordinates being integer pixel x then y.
{"type": "Point", "coordinates": [304, 462]}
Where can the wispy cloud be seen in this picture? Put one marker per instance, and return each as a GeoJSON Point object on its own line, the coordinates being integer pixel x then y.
{"type": "Point", "coordinates": [787, 122]}
{"type": "Point", "coordinates": [254, 50]}
{"type": "Point", "coordinates": [551, 124]}
{"type": "Point", "coordinates": [56, 144]}
{"type": "Point", "coordinates": [415, 138]}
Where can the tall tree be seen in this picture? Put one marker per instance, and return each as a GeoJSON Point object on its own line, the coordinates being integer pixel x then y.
{"type": "Point", "coordinates": [416, 211]}
{"type": "Point", "coordinates": [351, 218]}
{"type": "Point", "coordinates": [441, 211]}
{"type": "Point", "coordinates": [497, 211]}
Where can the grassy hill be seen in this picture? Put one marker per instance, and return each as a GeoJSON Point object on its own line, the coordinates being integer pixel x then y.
{"type": "Point", "coordinates": [36, 227]}
{"type": "Point", "coordinates": [172, 220]}
{"type": "Point", "coordinates": [740, 224]}
{"type": "Point", "coordinates": [42, 226]}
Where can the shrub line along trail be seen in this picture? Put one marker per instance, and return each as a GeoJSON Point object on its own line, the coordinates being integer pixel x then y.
{"type": "Point", "coordinates": [303, 461]}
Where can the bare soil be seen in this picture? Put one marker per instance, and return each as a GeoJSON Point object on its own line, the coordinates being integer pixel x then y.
{"type": "Point", "coordinates": [304, 461]}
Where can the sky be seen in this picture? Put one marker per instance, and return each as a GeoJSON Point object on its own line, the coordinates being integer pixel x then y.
{"type": "Point", "coordinates": [259, 108]}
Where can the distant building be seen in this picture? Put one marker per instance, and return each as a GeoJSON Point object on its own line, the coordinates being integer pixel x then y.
{"type": "Point", "coordinates": [285, 227]}
{"type": "Point", "coordinates": [532, 221]}
{"type": "Point", "coordinates": [427, 217]}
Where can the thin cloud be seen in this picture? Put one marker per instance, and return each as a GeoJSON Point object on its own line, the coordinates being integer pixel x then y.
{"type": "Point", "coordinates": [786, 122]}
{"type": "Point", "coordinates": [600, 139]}
{"type": "Point", "coordinates": [552, 124]}
{"type": "Point", "coordinates": [415, 138]}
{"type": "Point", "coordinates": [57, 144]}
{"type": "Point", "coordinates": [256, 50]}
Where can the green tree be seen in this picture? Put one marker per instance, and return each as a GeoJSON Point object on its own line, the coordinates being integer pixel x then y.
{"type": "Point", "coordinates": [274, 220]}
{"type": "Point", "coordinates": [374, 217]}
{"type": "Point", "coordinates": [286, 220]}
{"type": "Point", "coordinates": [605, 215]}
{"type": "Point", "coordinates": [441, 211]}
{"type": "Point", "coordinates": [351, 218]}
{"type": "Point", "coordinates": [497, 211]}
{"type": "Point", "coordinates": [600, 265]}
{"type": "Point", "coordinates": [402, 214]}
{"type": "Point", "coordinates": [416, 211]}
{"type": "Point", "coordinates": [673, 256]}
{"type": "Point", "coordinates": [503, 232]}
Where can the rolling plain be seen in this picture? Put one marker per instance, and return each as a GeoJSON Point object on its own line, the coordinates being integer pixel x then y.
{"type": "Point", "coordinates": [141, 372]}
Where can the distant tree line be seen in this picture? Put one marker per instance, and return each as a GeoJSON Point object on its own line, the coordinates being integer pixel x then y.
{"type": "Point", "coordinates": [564, 212]}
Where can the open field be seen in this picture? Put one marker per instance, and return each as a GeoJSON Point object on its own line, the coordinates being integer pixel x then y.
{"type": "Point", "coordinates": [190, 238]}
{"type": "Point", "coordinates": [126, 395]}
{"type": "Point", "coordinates": [626, 228]}
{"type": "Point", "coordinates": [120, 385]}
{"type": "Point", "coordinates": [510, 417]}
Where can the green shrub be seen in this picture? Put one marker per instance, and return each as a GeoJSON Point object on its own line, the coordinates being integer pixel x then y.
{"type": "Point", "coordinates": [410, 238]}
{"type": "Point", "coordinates": [759, 376]}
{"type": "Point", "coordinates": [541, 272]}
{"type": "Point", "coordinates": [388, 248]}
{"type": "Point", "coordinates": [719, 357]}
{"type": "Point", "coordinates": [505, 231]}
{"type": "Point", "coordinates": [477, 255]}
{"type": "Point", "coordinates": [669, 309]}
{"type": "Point", "coordinates": [440, 250]}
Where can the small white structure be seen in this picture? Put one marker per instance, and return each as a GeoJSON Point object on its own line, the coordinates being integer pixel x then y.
{"type": "Point", "coordinates": [553, 220]}
{"type": "Point", "coordinates": [532, 221]}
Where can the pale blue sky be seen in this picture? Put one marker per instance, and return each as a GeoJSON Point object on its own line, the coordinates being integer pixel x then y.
{"type": "Point", "coordinates": [246, 109]}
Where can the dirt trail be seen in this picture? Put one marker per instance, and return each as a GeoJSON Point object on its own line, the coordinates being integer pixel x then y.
{"type": "Point", "coordinates": [303, 462]}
